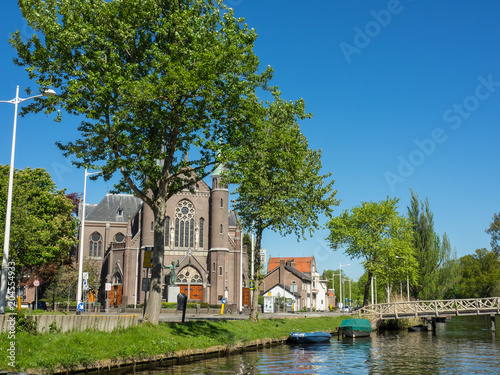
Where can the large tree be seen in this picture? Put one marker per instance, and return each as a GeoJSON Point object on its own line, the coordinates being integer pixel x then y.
{"type": "Point", "coordinates": [378, 234]}
{"type": "Point", "coordinates": [480, 274]}
{"type": "Point", "coordinates": [437, 264]}
{"type": "Point", "coordinates": [279, 183]}
{"type": "Point", "coordinates": [154, 80]}
{"type": "Point", "coordinates": [494, 232]}
{"type": "Point", "coordinates": [42, 228]}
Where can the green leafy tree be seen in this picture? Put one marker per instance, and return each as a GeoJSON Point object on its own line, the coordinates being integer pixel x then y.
{"type": "Point", "coordinates": [376, 233]}
{"type": "Point", "coordinates": [480, 274]}
{"type": "Point", "coordinates": [494, 232]}
{"type": "Point", "coordinates": [279, 185]}
{"type": "Point", "coordinates": [153, 80]}
{"type": "Point", "coordinates": [439, 270]}
{"type": "Point", "coordinates": [42, 228]}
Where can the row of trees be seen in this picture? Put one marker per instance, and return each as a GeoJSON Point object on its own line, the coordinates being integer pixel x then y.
{"type": "Point", "coordinates": [154, 80]}
{"type": "Point", "coordinates": [397, 250]}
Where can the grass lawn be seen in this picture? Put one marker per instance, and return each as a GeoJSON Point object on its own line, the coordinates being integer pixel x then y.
{"type": "Point", "coordinates": [46, 352]}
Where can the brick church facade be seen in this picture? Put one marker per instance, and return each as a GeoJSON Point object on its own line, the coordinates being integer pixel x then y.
{"type": "Point", "coordinates": [202, 236]}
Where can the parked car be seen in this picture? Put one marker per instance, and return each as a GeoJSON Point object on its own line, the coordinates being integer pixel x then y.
{"type": "Point", "coordinates": [41, 305]}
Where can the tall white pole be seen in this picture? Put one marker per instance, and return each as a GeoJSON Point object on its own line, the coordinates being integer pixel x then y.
{"type": "Point", "coordinates": [341, 301]}
{"type": "Point", "coordinates": [5, 257]}
{"type": "Point", "coordinates": [80, 253]}
{"type": "Point", "coordinates": [252, 272]}
{"type": "Point", "coordinates": [241, 271]}
{"type": "Point", "coordinates": [82, 240]}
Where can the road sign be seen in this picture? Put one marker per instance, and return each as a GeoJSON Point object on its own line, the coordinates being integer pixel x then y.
{"type": "Point", "coordinates": [85, 275]}
{"type": "Point", "coordinates": [36, 283]}
{"type": "Point", "coordinates": [107, 287]}
{"type": "Point", "coordinates": [80, 306]}
{"type": "Point", "coordinates": [85, 285]}
{"type": "Point", "coordinates": [223, 300]}
{"type": "Point", "coordinates": [148, 253]}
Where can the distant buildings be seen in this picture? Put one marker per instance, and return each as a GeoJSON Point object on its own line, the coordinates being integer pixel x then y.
{"type": "Point", "coordinates": [293, 283]}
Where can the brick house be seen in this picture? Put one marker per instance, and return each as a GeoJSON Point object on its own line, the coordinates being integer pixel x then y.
{"type": "Point", "coordinates": [201, 234]}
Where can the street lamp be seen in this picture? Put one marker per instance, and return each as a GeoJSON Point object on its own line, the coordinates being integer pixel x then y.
{"type": "Point", "coordinates": [5, 259]}
{"type": "Point", "coordinates": [82, 239]}
{"type": "Point", "coordinates": [341, 300]}
{"type": "Point", "coordinates": [407, 280]}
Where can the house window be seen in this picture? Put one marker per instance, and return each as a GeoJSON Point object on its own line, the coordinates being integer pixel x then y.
{"type": "Point", "coordinates": [152, 226]}
{"type": "Point", "coordinates": [119, 237]}
{"type": "Point", "coordinates": [221, 203]}
{"type": "Point", "coordinates": [221, 229]}
{"type": "Point", "coordinates": [220, 271]}
{"type": "Point", "coordinates": [95, 245]}
{"type": "Point", "coordinates": [184, 224]}
{"type": "Point", "coordinates": [213, 267]}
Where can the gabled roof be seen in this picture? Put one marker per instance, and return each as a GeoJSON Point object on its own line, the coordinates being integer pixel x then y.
{"type": "Point", "coordinates": [303, 264]}
{"type": "Point", "coordinates": [300, 275]}
{"type": "Point", "coordinates": [114, 208]}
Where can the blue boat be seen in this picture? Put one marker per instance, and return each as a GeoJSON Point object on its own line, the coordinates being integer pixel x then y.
{"type": "Point", "coordinates": [308, 337]}
{"type": "Point", "coordinates": [355, 327]}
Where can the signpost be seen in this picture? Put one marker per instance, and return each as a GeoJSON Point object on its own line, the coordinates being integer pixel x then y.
{"type": "Point", "coordinates": [80, 306]}
{"type": "Point", "coordinates": [222, 308]}
{"type": "Point", "coordinates": [36, 284]}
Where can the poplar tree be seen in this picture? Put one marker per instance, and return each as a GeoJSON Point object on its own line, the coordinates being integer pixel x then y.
{"type": "Point", "coordinates": [152, 80]}
{"type": "Point", "coordinates": [438, 267]}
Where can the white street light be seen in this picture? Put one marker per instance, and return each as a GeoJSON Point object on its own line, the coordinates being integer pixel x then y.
{"type": "Point", "coordinates": [5, 259]}
{"type": "Point", "coordinates": [82, 240]}
{"type": "Point", "coordinates": [341, 300]}
{"type": "Point", "coordinates": [407, 281]}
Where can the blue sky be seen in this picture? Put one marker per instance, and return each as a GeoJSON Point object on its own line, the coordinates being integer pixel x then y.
{"type": "Point", "coordinates": [405, 95]}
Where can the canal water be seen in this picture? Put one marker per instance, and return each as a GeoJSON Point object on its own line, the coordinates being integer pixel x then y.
{"type": "Point", "coordinates": [463, 345]}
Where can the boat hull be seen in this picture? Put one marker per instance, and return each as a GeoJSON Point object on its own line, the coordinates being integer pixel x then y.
{"type": "Point", "coordinates": [309, 337]}
{"type": "Point", "coordinates": [354, 333]}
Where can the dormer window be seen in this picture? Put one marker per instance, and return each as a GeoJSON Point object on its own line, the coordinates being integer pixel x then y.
{"type": "Point", "coordinates": [119, 212]}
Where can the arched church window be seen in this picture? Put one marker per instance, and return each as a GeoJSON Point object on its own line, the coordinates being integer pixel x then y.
{"type": "Point", "coordinates": [184, 224]}
{"type": "Point", "coordinates": [189, 275]}
{"type": "Point", "coordinates": [167, 230]}
{"type": "Point", "coordinates": [95, 245]}
{"type": "Point", "coordinates": [202, 223]}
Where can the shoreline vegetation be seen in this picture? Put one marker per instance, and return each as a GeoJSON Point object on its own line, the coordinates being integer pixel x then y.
{"type": "Point", "coordinates": [177, 342]}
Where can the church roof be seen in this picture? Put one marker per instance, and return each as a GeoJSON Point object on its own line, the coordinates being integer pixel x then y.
{"type": "Point", "coordinates": [233, 218]}
{"type": "Point", "coordinates": [303, 264]}
{"type": "Point", "coordinates": [114, 207]}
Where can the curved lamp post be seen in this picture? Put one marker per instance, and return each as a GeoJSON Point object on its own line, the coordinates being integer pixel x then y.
{"type": "Point", "coordinates": [5, 259]}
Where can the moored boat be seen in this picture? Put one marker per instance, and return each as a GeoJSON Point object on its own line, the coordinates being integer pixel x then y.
{"type": "Point", "coordinates": [355, 328]}
{"type": "Point", "coordinates": [308, 337]}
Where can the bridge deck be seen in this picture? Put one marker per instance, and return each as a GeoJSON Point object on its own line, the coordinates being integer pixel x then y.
{"type": "Point", "coordinates": [429, 309]}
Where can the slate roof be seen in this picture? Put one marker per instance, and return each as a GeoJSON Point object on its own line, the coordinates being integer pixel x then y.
{"type": "Point", "coordinates": [233, 218]}
{"type": "Point", "coordinates": [110, 206]}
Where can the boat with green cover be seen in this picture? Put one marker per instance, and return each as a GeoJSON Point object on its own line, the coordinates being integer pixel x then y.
{"type": "Point", "coordinates": [355, 328]}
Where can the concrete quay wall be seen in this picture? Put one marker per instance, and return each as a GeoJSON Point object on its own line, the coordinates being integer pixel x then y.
{"type": "Point", "coordinates": [66, 323]}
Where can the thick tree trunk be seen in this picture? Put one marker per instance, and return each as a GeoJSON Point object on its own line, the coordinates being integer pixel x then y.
{"type": "Point", "coordinates": [256, 278]}
{"type": "Point", "coordinates": [153, 304]}
{"type": "Point", "coordinates": [366, 295]}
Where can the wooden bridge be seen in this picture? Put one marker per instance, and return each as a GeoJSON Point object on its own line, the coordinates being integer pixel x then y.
{"type": "Point", "coordinates": [434, 309]}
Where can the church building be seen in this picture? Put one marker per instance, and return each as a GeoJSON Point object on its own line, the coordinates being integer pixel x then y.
{"type": "Point", "coordinates": [202, 244]}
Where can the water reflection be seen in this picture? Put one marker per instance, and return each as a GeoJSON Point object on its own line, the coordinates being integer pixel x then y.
{"type": "Point", "coordinates": [461, 346]}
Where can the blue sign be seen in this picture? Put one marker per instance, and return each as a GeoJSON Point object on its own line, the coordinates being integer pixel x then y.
{"type": "Point", "coordinates": [80, 306]}
{"type": "Point", "coordinates": [223, 300]}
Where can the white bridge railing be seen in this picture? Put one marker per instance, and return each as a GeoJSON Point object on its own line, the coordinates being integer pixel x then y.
{"type": "Point", "coordinates": [428, 309]}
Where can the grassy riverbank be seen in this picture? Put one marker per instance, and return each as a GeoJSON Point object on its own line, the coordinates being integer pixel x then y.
{"type": "Point", "coordinates": [45, 353]}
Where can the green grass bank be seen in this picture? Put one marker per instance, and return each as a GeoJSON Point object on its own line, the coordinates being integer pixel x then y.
{"type": "Point", "coordinates": [77, 351]}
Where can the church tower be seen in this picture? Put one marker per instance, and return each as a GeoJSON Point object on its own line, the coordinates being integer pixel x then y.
{"type": "Point", "coordinates": [218, 261]}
